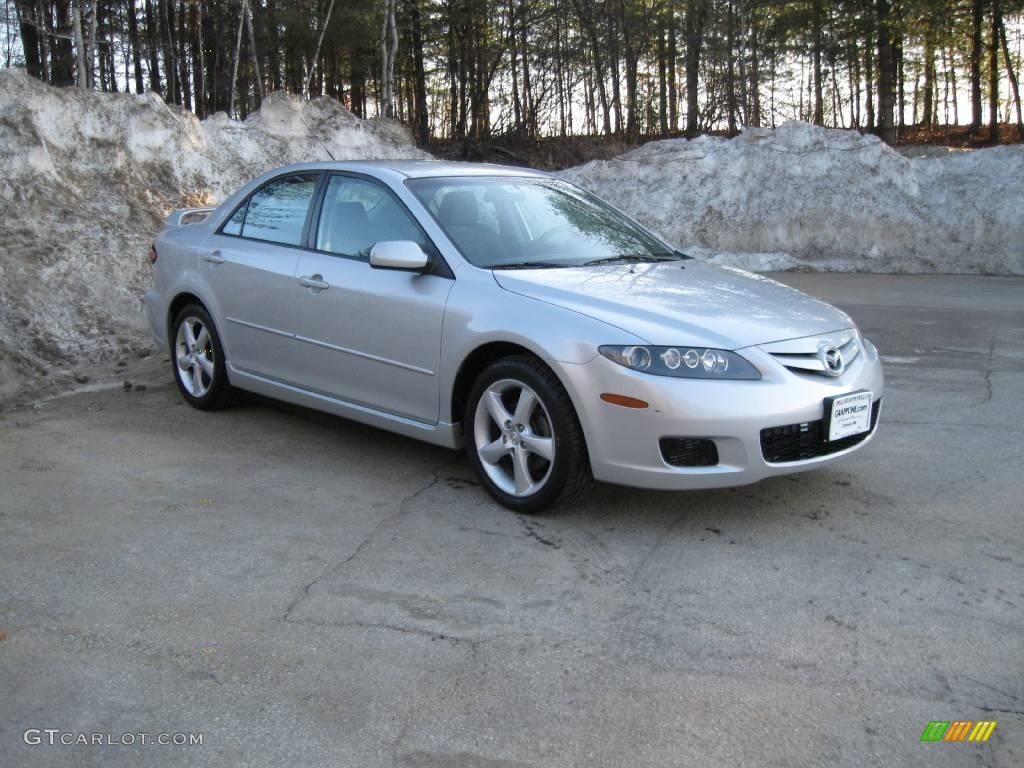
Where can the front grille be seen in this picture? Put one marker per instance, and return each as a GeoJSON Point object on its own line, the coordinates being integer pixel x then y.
{"type": "Point", "coordinates": [798, 442]}
{"type": "Point", "coordinates": [803, 355]}
{"type": "Point", "coordinates": [689, 451]}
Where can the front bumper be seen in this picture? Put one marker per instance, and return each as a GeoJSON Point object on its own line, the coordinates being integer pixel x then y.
{"type": "Point", "coordinates": [623, 443]}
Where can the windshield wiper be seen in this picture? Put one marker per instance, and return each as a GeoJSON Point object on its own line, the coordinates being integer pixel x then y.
{"type": "Point", "coordinates": [628, 258]}
{"type": "Point", "coordinates": [532, 265]}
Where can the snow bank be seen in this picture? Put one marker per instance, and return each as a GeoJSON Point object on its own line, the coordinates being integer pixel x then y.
{"type": "Point", "coordinates": [803, 197]}
{"type": "Point", "coordinates": [86, 181]}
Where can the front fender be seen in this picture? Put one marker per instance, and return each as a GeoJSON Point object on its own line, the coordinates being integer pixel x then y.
{"type": "Point", "coordinates": [481, 312]}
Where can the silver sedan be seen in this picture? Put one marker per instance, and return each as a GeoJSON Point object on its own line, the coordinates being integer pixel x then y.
{"type": "Point", "coordinates": [513, 313]}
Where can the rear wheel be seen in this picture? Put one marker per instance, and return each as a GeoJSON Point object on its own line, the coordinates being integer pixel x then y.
{"type": "Point", "coordinates": [198, 360]}
{"type": "Point", "coordinates": [523, 437]}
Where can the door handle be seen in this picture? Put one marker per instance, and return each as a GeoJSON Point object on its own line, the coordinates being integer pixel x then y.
{"type": "Point", "coordinates": [315, 282]}
{"type": "Point", "coordinates": [213, 258]}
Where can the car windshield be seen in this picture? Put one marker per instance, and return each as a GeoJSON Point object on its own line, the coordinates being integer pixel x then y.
{"type": "Point", "coordinates": [517, 222]}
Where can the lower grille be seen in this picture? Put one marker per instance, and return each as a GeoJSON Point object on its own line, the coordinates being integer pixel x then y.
{"type": "Point", "coordinates": [798, 442]}
{"type": "Point", "coordinates": [689, 451]}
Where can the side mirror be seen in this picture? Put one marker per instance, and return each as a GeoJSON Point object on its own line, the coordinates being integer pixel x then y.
{"type": "Point", "coordinates": [399, 254]}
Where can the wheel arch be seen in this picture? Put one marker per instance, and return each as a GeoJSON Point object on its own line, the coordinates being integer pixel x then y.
{"type": "Point", "coordinates": [474, 363]}
{"type": "Point", "coordinates": [181, 300]}
{"type": "Point", "coordinates": [485, 354]}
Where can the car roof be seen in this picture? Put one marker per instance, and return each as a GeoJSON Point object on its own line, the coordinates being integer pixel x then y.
{"type": "Point", "coordinates": [416, 169]}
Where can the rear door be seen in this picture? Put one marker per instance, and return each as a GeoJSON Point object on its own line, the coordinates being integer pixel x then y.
{"type": "Point", "coordinates": [371, 336]}
{"type": "Point", "coordinates": [250, 264]}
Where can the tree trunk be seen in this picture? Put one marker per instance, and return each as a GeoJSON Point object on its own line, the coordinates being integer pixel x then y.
{"type": "Point", "coordinates": [273, 42]}
{"type": "Point", "coordinates": [76, 31]}
{"type": "Point", "coordinates": [598, 73]}
{"type": "Point", "coordinates": [928, 118]}
{"type": "Point", "coordinates": [181, 36]}
{"type": "Point", "coordinates": [1012, 75]}
{"type": "Point", "coordinates": [316, 54]}
{"type": "Point", "coordinates": [730, 75]}
{"type": "Point", "coordinates": [819, 107]}
{"type": "Point", "coordinates": [896, 35]}
{"type": "Point", "coordinates": [255, 57]}
{"type": "Point", "coordinates": [90, 46]}
{"type": "Point", "coordinates": [62, 58]}
{"type": "Point", "coordinates": [977, 16]}
{"type": "Point", "coordinates": [422, 118]}
{"type": "Point", "coordinates": [134, 44]}
{"type": "Point", "coordinates": [755, 77]}
{"type": "Point", "coordinates": [234, 61]}
{"type": "Point", "coordinates": [993, 74]}
{"type": "Point", "coordinates": [673, 94]}
{"type": "Point", "coordinates": [152, 35]}
{"type": "Point", "coordinates": [886, 74]}
{"type": "Point", "coordinates": [869, 84]}
{"type": "Point", "coordinates": [196, 14]}
{"type": "Point", "coordinates": [613, 52]}
{"type": "Point", "coordinates": [34, 63]}
{"type": "Point", "coordinates": [173, 94]}
{"type": "Point", "coordinates": [662, 82]}
{"type": "Point", "coordinates": [529, 108]}
{"type": "Point", "coordinates": [388, 50]}
{"type": "Point", "coordinates": [694, 35]}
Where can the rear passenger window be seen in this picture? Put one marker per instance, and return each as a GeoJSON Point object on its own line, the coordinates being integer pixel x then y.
{"type": "Point", "coordinates": [277, 211]}
{"type": "Point", "coordinates": [233, 226]}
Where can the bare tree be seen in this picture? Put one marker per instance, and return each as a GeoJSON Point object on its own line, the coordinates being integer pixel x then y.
{"type": "Point", "coordinates": [388, 51]}
{"type": "Point", "coordinates": [252, 48]}
{"type": "Point", "coordinates": [76, 31]}
{"type": "Point", "coordinates": [1012, 75]}
{"type": "Point", "coordinates": [238, 51]}
{"type": "Point", "coordinates": [316, 54]}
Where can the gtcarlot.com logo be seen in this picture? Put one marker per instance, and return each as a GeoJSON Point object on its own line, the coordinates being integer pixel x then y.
{"type": "Point", "coordinates": [56, 736]}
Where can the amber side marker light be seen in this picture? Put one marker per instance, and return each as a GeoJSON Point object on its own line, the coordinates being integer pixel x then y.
{"type": "Point", "coordinates": [625, 402]}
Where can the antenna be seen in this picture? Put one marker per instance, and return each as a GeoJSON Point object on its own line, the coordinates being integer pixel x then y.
{"type": "Point", "coordinates": [326, 149]}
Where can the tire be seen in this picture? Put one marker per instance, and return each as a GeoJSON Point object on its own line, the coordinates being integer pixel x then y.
{"type": "Point", "coordinates": [508, 439]}
{"type": "Point", "coordinates": [212, 391]}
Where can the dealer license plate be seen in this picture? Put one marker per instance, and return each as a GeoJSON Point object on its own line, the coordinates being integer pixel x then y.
{"type": "Point", "coordinates": [848, 415]}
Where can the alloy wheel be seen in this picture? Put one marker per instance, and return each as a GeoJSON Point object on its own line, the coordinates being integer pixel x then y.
{"type": "Point", "coordinates": [193, 349]}
{"type": "Point", "coordinates": [514, 438]}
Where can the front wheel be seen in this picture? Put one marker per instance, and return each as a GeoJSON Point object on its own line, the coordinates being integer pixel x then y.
{"type": "Point", "coordinates": [523, 437]}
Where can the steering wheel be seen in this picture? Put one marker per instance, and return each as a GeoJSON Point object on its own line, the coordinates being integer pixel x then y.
{"type": "Point", "coordinates": [557, 229]}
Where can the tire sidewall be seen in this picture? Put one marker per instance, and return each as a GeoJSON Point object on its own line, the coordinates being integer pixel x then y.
{"type": "Point", "coordinates": [561, 424]}
{"type": "Point", "coordinates": [214, 397]}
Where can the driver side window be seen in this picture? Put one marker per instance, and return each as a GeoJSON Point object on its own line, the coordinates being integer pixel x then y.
{"type": "Point", "coordinates": [357, 214]}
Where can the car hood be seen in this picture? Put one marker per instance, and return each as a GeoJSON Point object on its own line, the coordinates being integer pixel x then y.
{"type": "Point", "coordinates": [681, 302]}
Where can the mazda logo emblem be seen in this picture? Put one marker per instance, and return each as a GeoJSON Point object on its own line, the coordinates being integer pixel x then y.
{"type": "Point", "coordinates": [832, 359]}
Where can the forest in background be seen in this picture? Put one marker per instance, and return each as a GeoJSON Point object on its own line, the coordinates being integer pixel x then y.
{"type": "Point", "coordinates": [480, 70]}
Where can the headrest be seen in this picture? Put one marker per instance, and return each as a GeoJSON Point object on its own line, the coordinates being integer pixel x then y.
{"type": "Point", "coordinates": [459, 209]}
{"type": "Point", "coordinates": [348, 215]}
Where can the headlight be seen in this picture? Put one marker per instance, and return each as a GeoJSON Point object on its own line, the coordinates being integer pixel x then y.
{"type": "Point", "coordinates": [682, 362]}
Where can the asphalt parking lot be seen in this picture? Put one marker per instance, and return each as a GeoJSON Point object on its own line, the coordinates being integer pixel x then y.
{"type": "Point", "coordinates": [302, 590]}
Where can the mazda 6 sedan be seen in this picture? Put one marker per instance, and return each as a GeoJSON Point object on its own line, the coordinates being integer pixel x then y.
{"type": "Point", "coordinates": [512, 313]}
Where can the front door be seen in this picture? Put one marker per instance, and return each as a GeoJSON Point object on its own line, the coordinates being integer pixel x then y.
{"type": "Point", "coordinates": [371, 336]}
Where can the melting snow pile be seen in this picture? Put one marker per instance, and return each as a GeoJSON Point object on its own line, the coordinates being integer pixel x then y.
{"type": "Point", "coordinates": [803, 197]}
{"type": "Point", "coordinates": [87, 179]}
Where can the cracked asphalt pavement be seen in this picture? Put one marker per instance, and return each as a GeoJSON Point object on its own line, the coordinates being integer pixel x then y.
{"type": "Point", "coordinates": [302, 590]}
